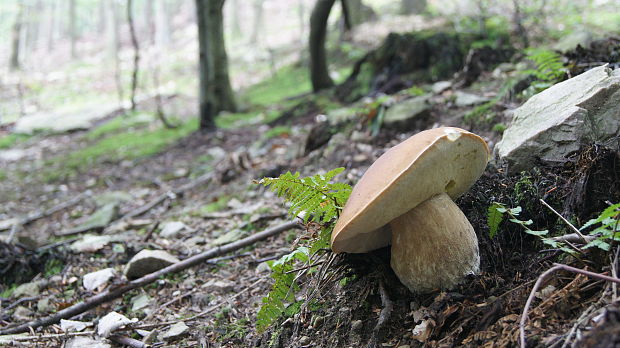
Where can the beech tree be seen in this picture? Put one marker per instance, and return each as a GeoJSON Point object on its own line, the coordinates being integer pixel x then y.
{"type": "Point", "coordinates": [319, 74]}
{"type": "Point", "coordinates": [215, 91]}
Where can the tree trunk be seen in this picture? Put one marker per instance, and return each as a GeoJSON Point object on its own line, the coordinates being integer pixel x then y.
{"type": "Point", "coordinates": [258, 22]}
{"type": "Point", "coordinates": [162, 25]}
{"type": "Point", "coordinates": [319, 75]}
{"type": "Point", "coordinates": [16, 35]}
{"type": "Point", "coordinates": [72, 28]}
{"type": "Point", "coordinates": [136, 54]}
{"type": "Point", "coordinates": [215, 91]}
{"type": "Point", "coordinates": [412, 6]}
{"type": "Point", "coordinates": [352, 13]}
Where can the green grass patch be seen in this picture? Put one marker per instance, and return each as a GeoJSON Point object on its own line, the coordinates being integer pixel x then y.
{"type": "Point", "coordinates": [3, 175]}
{"type": "Point", "coordinates": [128, 145]}
{"type": "Point", "coordinates": [276, 132]}
{"type": "Point", "coordinates": [120, 123]}
{"type": "Point", "coordinates": [11, 140]}
{"type": "Point", "coordinates": [287, 82]}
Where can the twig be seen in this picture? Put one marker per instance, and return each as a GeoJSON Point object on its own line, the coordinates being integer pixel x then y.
{"type": "Point", "coordinates": [150, 233]}
{"type": "Point", "coordinates": [51, 336]}
{"type": "Point", "coordinates": [565, 221]}
{"type": "Point", "coordinates": [22, 300]}
{"type": "Point", "coordinates": [57, 244]}
{"type": "Point", "coordinates": [541, 279]}
{"type": "Point", "coordinates": [128, 341]}
{"type": "Point", "coordinates": [111, 294]}
{"type": "Point", "coordinates": [386, 311]}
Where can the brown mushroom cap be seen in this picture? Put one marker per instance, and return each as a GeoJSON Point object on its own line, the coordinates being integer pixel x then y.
{"type": "Point", "coordinates": [431, 162]}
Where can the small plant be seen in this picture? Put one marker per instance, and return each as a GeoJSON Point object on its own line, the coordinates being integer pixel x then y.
{"type": "Point", "coordinates": [319, 200]}
{"type": "Point", "coordinates": [549, 69]}
{"type": "Point", "coordinates": [606, 231]}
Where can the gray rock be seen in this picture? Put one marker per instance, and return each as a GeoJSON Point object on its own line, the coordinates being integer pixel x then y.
{"type": "Point", "coordinates": [171, 229]}
{"type": "Point", "coordinates": [96, 279]}
{"type": "Point", "coordinates": [219, 286]}
{"type": "Point", "coordinates": [337, 116]}
{"type": "Point", "coordinates": [441, 86]}
{"type": "Point", "coordinates": [176, 331]}
{"type": "Point", "coordinates": [91, 243]}
{"type": "Point", "coordinates": [468, 99]}
{"type": "Point", "coordinates": [101, 217]}
{"type": "Point", "coordinates": [73, 325]}
{"type": "Point", "coordinates": [44, 305]}
{"type": "Point", "coordinates": [140, 302]}
{"type": "Point", "coordinates": [228, 237]}
{"type": "Point", "coordinates": [22, 313]}
{"type": "Point", "coordinates": [62, 122]}
{"type": "Point", "coordinates": [553, 124]}
{"type": "Point", "coordinates": [148, 261]}
{"type": "Point", "coordinates": [112, 197]}
{"type": "Point", "coordinates": [27, 290]}
{"type": "Point", "coordinates": [86, 342]}
{"type": "Point", "coordinates": [407, 111]}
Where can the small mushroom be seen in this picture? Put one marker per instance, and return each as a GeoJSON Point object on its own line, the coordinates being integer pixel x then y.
{"type": "Point", "coordinates": [406, 198]}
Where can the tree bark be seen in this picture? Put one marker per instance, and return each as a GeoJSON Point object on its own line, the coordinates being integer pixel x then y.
{"type": "Point", "coordinates": [136, 54]}
{"type": "Point", "coordinates": [215, 90]}
{"type": "Point", "coordinates": [319, 74]}
{"type": "Point", "coordinates": [258, 22]}
{"type": "Point", "coordinates": [72, 28]}
{"type": "Point", "coordinates": [14, 63]}
{"type": "Point", "coordinates": [352, 13]}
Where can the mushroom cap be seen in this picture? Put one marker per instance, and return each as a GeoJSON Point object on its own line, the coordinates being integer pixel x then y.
{"type": "Point", "coordinates": [441, 160]}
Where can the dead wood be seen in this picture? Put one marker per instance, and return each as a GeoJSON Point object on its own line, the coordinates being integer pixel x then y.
{"type": "Point", "coordinates": [539, 282]}
{"type": "Point", "coordinates": [117, 292]}
{"type": "Point", "coordinates": [384, 316]}
{"type": "Point", "coordinates": [128, 341]}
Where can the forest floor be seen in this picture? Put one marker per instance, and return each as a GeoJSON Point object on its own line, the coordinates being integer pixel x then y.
{"type": "Point", "coordinates": [132, 162]}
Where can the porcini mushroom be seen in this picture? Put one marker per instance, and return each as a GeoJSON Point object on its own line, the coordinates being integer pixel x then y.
{"type": "Point", "coordinates": [411, 188]}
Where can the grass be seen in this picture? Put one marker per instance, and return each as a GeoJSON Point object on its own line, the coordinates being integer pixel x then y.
{"type": "Point", "coordinates": [3, 175]}
{"type": "Point", "coordinates": [11, 140]}
{"type": "Point", "coordinates": [287, 82]}
{"type": "Point", "coordinates": [120, 123]}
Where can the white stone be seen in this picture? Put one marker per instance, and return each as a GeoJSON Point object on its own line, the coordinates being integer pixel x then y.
{"type": "Point", "coordinates": [171, 229]}
{"type": "Point", "coordinates": [112, 321]}
{"type": "Point", "coordinates": [176, 331]}
{"type": "Point", "coordinates": [73, 325]}
{"type": "Point", "coordinates": [86, 342]}
{"type": "Point", "coordinates": [96, 279]}
{"type": "Point", "coordinates": [552, 125]}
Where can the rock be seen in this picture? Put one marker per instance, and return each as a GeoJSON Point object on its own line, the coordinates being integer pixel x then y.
{"type": "Point", "coordinates": [176, 331]}
{"type": "Point", "coordinates": [139, 302]}
{"type": "Point", "coordinates": [228, 237]}
{"type": "Point", "coordinates": [96, 279]}
{"type": "Point", "coordinates": [148, 261]}
{"type": "Point", "coordinates": [341, 115]}
{"type": "Point", "coordinates": [171, 229]}
{"type": "Point", "coordinates": [441, 86]}
{"type": "Point", "coordinates": [91, 243]}
{"type": "Point", "coordinates": [220, 286]}
{"type": "Point", "coordinates": [581, 36]}
{"type": "Point", "coordinates": [112, 197]}
{"type": "Point", "coordinates": [62, 122]}
{"type": "Point", "coordinates": [407, 112]}
{"type": "Point", "coordinates": [112, 321]}
{"type": "Point", "coordinates": [22, 313]}
{"type": "Point", "coordinates": [357, 325]}
{"type": "Point", "coordinates": [73, 325]}
{"type": "Point", "coordinates": [553, 124]}
{"type": "Point", "coordinates": [468, 99]}
{"type": "Point", "coordinates": [304, 340]}
{"type": "Point", "coordinates": [101, 217]}
{"type": "Point", "coordinates": [44, 305]}
{"type": "Point", "coordinates": [217, 153]}
{"type": "Point", "coordinates": [27, 290]}
{"type": "Point", "coordinates": [86, 342]}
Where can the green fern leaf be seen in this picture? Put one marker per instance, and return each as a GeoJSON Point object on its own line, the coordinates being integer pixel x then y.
{"type": "Point", "coordinates": [494, 218]}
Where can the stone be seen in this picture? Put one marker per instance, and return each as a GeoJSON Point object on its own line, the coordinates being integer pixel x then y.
{"type": "Point", "coordinates": [148, 261]}
{"type": "Point", "coordinates": [96, 279]}
{"type": "Point", "coordinates": [22, 313]}
{"type": "Point", "coordinates": [44, 305]}
{"type": "Point", "coordinates": [171, 229]}
{"type": "Point", "coordinates": [304, 340]}
{"type": "Point", "coordinates": [341, 115]}
{"type": "Point", "coordinates": [552, 125]}
{"type": "Point", "coordinates": [102, 217]}
{"type": "Point", "coordinates": [176, 331]}
{"type": "Point", "coordinates": [441, 86]}
{"type": "Point", "coordinates": [31, 289]}
{"type": "Point", "coordinates": [112, 197]}
{"type": "Point", "coordinates": [86, 342]}
{"type": "Point", "coordinates": [468, 99]}
{"type": "Point", "coordinates": [407, 111]}
{"type": "Point", "coordinates": [140, 302]}
{"type": "Point", "coordinates": [112, 321]}
{"type": "Point", "coordinates": [73, 325]}
{"type": "Point", "coordinates": [61, 122]}
{"type": "Point", "coordinates": [91, 243]}
{"type": "Point", "coordinates": [219, 286]}
{"type": "Point", "coordinates": [228, 237]}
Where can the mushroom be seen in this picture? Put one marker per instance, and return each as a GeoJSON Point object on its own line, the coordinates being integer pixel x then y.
{"type": "Point", "coordinates": [406, 198]}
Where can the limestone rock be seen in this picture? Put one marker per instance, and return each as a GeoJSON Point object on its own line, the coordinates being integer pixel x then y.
{"type": "Point", "coordinates": [176, 331]}
{"type": "Point", "coordinates": [101, 217]}
{"type": "Point", "coordinates": [62, 122]}
{"type": "Point", "coordinates": [27, 290]}
{"type": "Point", "coordinates": [171, 229]}
{"type": "Point", "coordinates": [86, 342]}
{"type": "Point", "coordinates": [407, 111]}
{"type": "Point", "coordinates": [441, 86]}
{"type": "Point", "coordinates": [468, 99]}
{"type": "Point", "coordinates": [91, 243]}
{"type": "Point", "coordinates": [219, 286]}
{"type": "Point", "coordinates": [112, 321]}
{"type": "Point", "coordinates": [73, 325]}
{"type": "Point", "coordinates": [552, 125]}
{"type": "Point", "coordinates": [96, 279]}
{"type": "Point", "coordinates": [148, 261]}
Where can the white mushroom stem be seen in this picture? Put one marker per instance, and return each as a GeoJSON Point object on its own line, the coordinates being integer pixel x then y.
{"type": "Point", "coordinates": [433, 246]}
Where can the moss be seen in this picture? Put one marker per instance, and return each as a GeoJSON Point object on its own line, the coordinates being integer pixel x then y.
{"type": "Point", "coordinates": [120, 123]}
{"type": "Point", "coordinates": [11, 140]}
{"type": "Point", "coordinates": [3, 175]}
{"type": "Point", "coordinates": [287, 82]}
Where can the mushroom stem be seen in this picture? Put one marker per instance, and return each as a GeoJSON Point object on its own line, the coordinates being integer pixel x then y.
{"type": "Point", "coordinates": [433, 246]}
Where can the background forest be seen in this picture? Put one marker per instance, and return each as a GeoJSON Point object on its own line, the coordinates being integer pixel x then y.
{"type": "Point", "coordinates": [144, 145]}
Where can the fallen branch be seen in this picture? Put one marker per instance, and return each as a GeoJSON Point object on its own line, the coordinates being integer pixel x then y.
{"type": "Point", "coordinates": [541, 279]}
{"type": "Point", "coordinates": [117, 292]}
{"type": "Point", "coordinates": [128, 341]}
{"type": "Point", "coordinates": [386, 311]}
